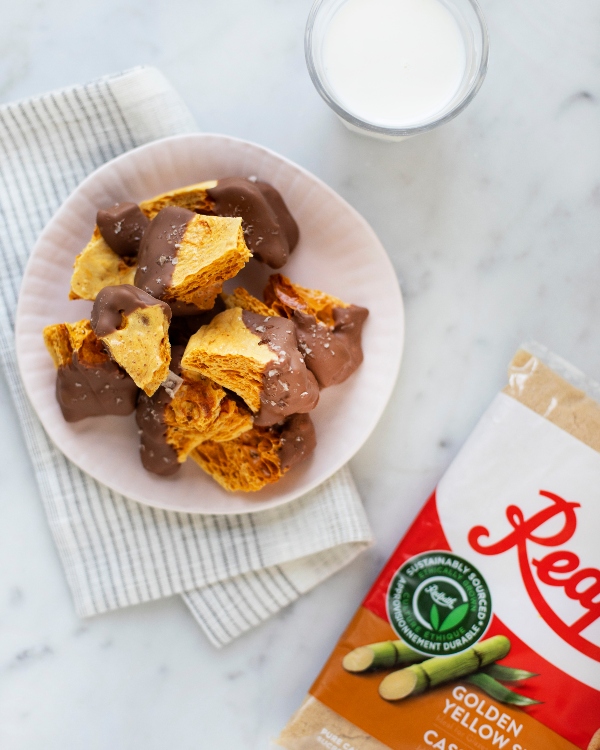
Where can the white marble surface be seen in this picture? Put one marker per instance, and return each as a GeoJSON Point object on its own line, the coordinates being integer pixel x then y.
{"type": "Point", "coordinates": [493, 225]}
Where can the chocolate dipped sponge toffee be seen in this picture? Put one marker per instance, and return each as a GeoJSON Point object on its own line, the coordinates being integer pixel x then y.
{"type": "Point", "coordinates": [185, 257]}
{"type": "Point", "coordinates": [109, 258]}
{"type": "Point", "coordinates": [172, 426]}
{"type": "Point", "coordinates": [288, 387]}
{"type": "Point", "coordinates": [201, 410]}
{"type": "Point", "coordinates": [256, 357]}
{"type": "Point", "coordinates": [134, 326]}
{"type": "Point", "coordinates": [270, 230]}
{"type": "Point", "coordinates": [97, 266]}
{"type": "Point", "coordinates": [88, 382]}
{"type": "Point", "coordinates": [329, 331]}
{"type": "Point", "coordinates": [258, 457]}
{"type": "Point", "coordinates": [332, 352]}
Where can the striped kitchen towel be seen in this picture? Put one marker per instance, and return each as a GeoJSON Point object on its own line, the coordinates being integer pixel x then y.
{"type": "Point", "coordinates": [233, 572]}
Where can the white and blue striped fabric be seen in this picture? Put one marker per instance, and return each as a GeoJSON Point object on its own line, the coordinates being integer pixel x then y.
{"type": "Point", "coordinates": [232, 571]}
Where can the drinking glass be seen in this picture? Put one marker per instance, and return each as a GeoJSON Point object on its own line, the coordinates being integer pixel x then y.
{"type": "Point", "coordinates": [471, 23]}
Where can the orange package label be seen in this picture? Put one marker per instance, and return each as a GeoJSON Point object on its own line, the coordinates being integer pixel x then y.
{"type": "Point", "coordinates": [451, 717]}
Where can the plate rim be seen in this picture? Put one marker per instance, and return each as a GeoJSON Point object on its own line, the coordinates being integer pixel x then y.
{"type": "Point", "coordinates": [259, 506]}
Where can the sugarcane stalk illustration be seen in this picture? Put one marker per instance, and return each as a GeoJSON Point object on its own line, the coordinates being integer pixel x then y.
{"type": "Point", "coordinates": [490, 685]}
{"type": "Point", "coordinates": [508, 674]}
{"type": "Point", "coordinates": [418, 678]}
{"type": "Point", "coordinates": [383, 655]}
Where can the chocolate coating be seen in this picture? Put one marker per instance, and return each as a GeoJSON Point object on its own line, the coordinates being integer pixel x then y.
{"type": "Point", "coordinates": [298, 440]}
{"type": "Point", "coordinates": [94, 390]}
{"type": "Point", "coordinates": [122, 227]}
{"type": "Point", "coordinates": [331, 354]}
{"type": "Point", "coordinates": [157, 455]}
{"type": "Point", "coordinates": [284, 217]}
{"type": "Point", "coordinates": [269, 229]}
{"type": "Point", "coordinates": [288, 387]}
{"type": "Point", "coordinates": [181, 309]}
{"type": "Point", "coordinates": [158, 250]}
{"type": "Point", "coordinates": [114, 302]}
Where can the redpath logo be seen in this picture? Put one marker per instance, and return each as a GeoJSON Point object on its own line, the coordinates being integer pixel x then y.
{"type": "Point", "coordinates": [559, 568]}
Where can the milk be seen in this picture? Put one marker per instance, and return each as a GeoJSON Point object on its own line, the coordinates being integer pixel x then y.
{"type": "Point", "coordinates": [393, 63]}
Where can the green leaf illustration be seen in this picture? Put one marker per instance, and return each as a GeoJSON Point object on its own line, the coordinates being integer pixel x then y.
{"type": "Point", "coordinates": [499, 692]}
{"type": "Point", "coordinates": [508, 674]}
{"type": "Point", "coordinates": [434, 617]}
{"type": "Point", "coordinates": [455, 617]}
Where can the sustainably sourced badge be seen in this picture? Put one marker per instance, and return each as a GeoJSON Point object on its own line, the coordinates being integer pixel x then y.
{"type": "Point", "coordinates": [439, 603]}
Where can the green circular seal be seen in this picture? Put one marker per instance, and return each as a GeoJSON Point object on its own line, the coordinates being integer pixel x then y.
{"type": "Point", "coordinates": [439, 603]}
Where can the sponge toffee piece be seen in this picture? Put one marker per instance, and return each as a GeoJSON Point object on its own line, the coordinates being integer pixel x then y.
{"type": "Point", "coordinates": [122, 227]}
{"type": "Point", "coordinates": [287, 386]}
{"type": "Point", "coordinates": [270, 230]}
{"type": "Point", "coordinates": [172, 426]}
{"type": "Point", "coordinates": [256, 357]}
{"type": "Point", "coordinates": [88, 382]}
{"type": "Point", "coordinates": [134, 328]}
{"type": "Point", "coordinates": [240, 297]}
{"type": "Point", "coordinates": [258, 457]}
{"type": "Point", "coordinates": [87, 390]}
{"type": "Point", "coordinates": [246, 464]}
{"type": "Point", "coordinates": [98, 266]}
{"type": "Point", "coordinates": [331, 354]}
{"type": "Point", "coordinates": [329, 330]}
{"type": "Point", "coordinates": [109, 258]}
{"type": "Point", "coordinates": [114, 303]}
{"type": "Point", "coordinates": [185, 258]}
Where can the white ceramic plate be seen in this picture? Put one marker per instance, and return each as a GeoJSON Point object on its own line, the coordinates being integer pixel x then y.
{"type": "Point", "coordinates": [338, 253]}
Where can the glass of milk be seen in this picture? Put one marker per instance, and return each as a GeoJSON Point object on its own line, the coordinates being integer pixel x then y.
{"type": "Point", "coordinates": [395, 68]}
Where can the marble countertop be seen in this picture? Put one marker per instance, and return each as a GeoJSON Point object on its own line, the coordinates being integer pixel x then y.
{"type": "Point", "coordinates": [492, 224]}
